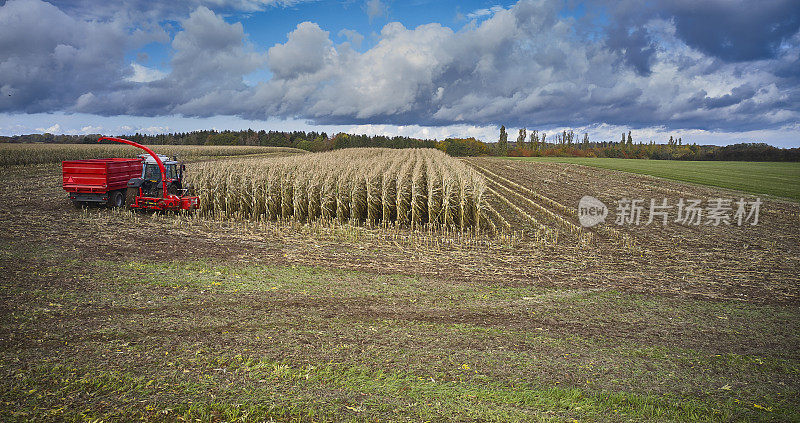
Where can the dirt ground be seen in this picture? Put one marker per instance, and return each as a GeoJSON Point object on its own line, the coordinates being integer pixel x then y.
{"type": "Point", "coordinates": [753, 263]}
{"type": "Point", "coordinates": [749, 263]}
{"type": "Point", "coordinates": [77, 282]}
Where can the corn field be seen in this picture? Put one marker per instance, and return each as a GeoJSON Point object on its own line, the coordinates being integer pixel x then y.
{"type": "Point", "coordinates": [26, 154]}
{"type": "Point", "coordinates": [410, 187]}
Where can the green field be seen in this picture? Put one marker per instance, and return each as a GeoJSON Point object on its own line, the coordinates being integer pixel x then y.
{"type": "Point", "coordinates": [774, 178]}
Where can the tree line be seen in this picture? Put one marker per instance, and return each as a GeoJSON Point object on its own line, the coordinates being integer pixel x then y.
{"type": "Point", "coordinates": [528, 144]}
{"type": "Point", "coordinates": [309, 141]}
{"type": "Point", "coordinates": [567, 144]}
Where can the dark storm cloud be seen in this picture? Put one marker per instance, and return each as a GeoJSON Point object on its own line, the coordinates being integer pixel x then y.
{"type": "Point", "coordinates": [737, 95]}
{"type": "Point", "coordinates": [523, 66]}
{"type": "Point", "coordinates": [736, 30]}
{"type": "Point", "coordinates": [730, 30]}
{"type": "Point", "coordinates": [48, 59]}
{"type": "Point", "coordinates": [635, 45]}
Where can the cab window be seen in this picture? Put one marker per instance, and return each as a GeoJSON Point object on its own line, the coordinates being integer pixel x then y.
{"type": "Point", "coordinates": [172, 171]}
{"type": "Point", "coordinates": [151, 172]}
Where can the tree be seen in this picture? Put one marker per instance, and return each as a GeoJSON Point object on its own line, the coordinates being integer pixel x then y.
{"type": "Point", "coordinates": [630, 139]}
{"type": "Point", "coordinates": [585, 143]}
{"type": "Point", "coordinates": [251, 137]}
{"type": "Point", "coordinates": [502, 145]}
{"type": "Point", "coordinates": [535, 140]}
{"type": "Point", "coordinates": [463, 147]}
{"type": "Point", "coordinates": [523, 133]}
{"type": "Point", "coordinates": [222, 138]}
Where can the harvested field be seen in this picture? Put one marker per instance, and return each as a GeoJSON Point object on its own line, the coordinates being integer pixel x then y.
{"type": "Point", "coordinates": [113, 315]}
{"type": "Point", "coordinates": [745, 256]}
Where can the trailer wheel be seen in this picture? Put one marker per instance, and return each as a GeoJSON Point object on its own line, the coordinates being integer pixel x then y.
{"type": "Point", "coordinates": [116, 199]}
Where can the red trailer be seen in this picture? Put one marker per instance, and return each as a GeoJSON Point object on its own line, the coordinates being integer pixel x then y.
{"type": "Point", "coordinates": [99, 181]}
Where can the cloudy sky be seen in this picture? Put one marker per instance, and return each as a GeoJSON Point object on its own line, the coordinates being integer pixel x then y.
{"type": "Point", "coordinates": [712, 71]}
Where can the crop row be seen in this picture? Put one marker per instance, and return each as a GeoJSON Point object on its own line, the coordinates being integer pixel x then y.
{"type": "Point", "coordinates": [409, 187]}
{"type": "Point", "coordinates": [26, 154]}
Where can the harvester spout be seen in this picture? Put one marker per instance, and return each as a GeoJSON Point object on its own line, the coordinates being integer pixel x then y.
{"type": "Point", "coordinates": [149, 151]}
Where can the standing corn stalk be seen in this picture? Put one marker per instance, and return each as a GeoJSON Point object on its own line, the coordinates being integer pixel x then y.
{"type": "Point", "coordinates": [412, 187]}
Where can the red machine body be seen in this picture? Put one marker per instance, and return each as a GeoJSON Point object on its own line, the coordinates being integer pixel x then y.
{"type": "Point", "coordinates": [166, 201]}
{"type": "Point", "coordinates": [99, 180]}
{"type": "Point", "coordinates": [119, 181]}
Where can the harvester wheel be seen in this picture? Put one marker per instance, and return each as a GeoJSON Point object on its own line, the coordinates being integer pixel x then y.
{"type": "Point", "coordinates": [130, 196]}
{"type": "Point", "coordinates": [172, 189]}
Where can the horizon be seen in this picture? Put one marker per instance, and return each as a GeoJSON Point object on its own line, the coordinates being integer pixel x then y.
{"type": "Point", "coordinates": [422, 69]}
{"type": "Point", "coordinates": [333, 135]}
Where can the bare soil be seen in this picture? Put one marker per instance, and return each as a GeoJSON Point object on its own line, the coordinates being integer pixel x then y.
{"type": "Point", "coordinates": [674, 311]}
{"type": "Point", "coordinates": [751, 263]}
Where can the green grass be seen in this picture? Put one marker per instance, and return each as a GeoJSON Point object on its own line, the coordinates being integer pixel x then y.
{"type": "Point", "coordinates": [275, 390]}
{"type": "Point", "coordinates": [780, 179]}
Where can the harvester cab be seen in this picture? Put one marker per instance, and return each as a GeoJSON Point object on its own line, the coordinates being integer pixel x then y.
{"type": "Point", "coordinates": [151, 175]}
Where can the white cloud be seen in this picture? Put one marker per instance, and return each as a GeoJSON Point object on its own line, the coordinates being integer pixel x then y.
{"type": "Point", "coordinates": [146, 11]}
{"type": "Point", "coordinates": [482, 13]}
{"type": "Point", "coordinates": [154, 130]}
{"type": "Point", "coordinates": [306, 51]}
{"type": "Point", "coordinates": [376, 8]}
{"type": "Point", "coordinates": [75, 124]}
{"type": "Point", "coordinates": [352, 36]}
{"type": "Point", "coordinates": [209, 62]}
{"type": "Point", "coordinates": [55, 129]}
{"type": "Point", "coordinates": [521, 66]}
{"type": "Point", "coordinates": [210, 52]}
{"type": "Point", "coordinates": [248, 5]}
{"type": "Point", "coordinates": [145, 74]}
{"type": "Point", "coordinates": [89, 129]}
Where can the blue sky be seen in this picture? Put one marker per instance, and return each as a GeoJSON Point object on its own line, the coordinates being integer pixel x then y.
{"type": "Point", "coordinates": [429, 69]}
